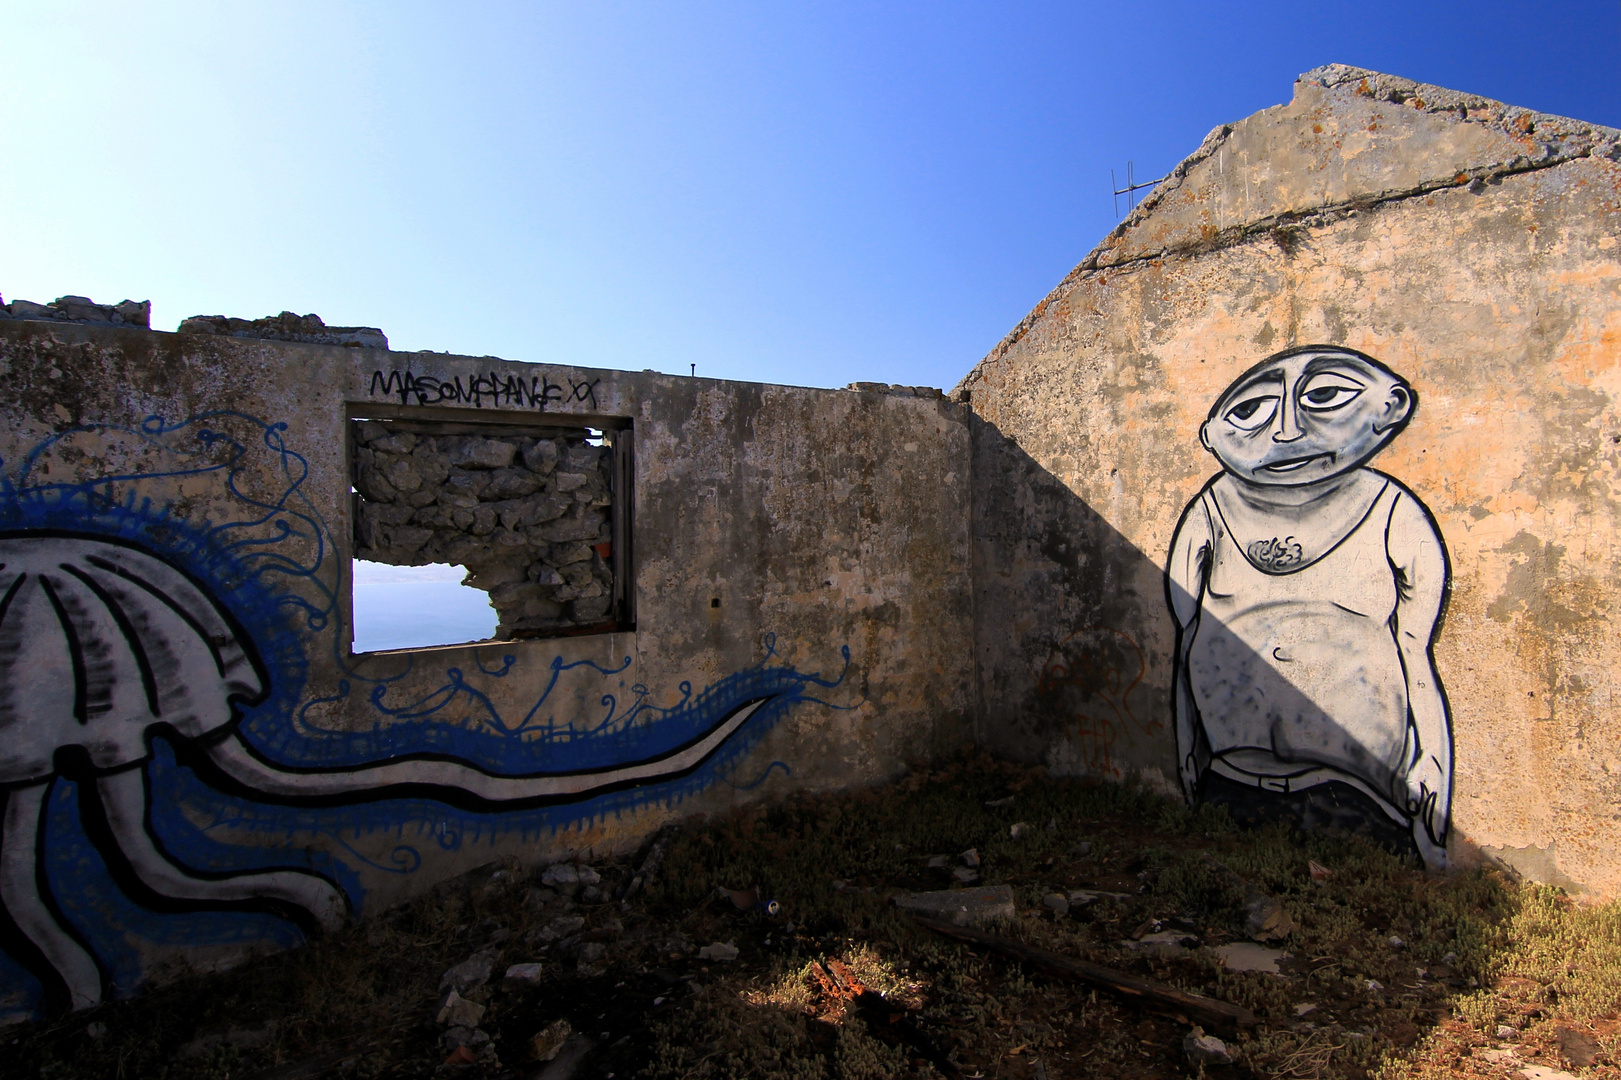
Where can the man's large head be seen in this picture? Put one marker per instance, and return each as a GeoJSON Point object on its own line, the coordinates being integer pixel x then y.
{"type": "Point", "coordinates": [1307, 414]}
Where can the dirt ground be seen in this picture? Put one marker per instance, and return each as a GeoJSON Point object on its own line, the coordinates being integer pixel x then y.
{"type": "Point", "coordinates": [1385, 972]}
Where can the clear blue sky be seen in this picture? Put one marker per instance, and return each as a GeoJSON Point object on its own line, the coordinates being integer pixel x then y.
{"type": "Point", "coordinates": [805, 193]}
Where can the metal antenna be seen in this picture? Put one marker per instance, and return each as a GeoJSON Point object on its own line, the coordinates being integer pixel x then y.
{"type": "Point", "coordinates": [1131, 187]}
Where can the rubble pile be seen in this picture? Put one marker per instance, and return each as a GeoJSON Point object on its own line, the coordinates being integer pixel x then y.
{"type": "Point", "coordinates": [308, 329]}
{"type": "Point", "coordinates": [82, 309]}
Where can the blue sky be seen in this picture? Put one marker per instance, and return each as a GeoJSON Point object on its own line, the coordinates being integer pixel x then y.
{"type": "Point", "coordinates": [811, 193]}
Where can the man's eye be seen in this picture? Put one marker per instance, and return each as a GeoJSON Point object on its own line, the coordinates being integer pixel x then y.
{"type": "Point", "coordinates": [1253, 412]}
{"type": "Point", "coordinates": [1327, 392]}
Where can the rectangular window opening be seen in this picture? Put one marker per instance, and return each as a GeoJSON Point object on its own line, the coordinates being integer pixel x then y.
{"type": "Point", "coordinates": [475, 531]}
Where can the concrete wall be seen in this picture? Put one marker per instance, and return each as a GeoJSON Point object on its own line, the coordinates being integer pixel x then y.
{"type": "Point", "coordinates": [1469, 248]}
{"type": "Point", "coordinates": [197, 765]}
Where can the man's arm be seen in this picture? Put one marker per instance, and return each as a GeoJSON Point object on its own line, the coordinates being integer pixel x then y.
{"type": "Point", "coordinates": [1185, 574]}
{"type": "Point", "coordinates": [1419, 560]}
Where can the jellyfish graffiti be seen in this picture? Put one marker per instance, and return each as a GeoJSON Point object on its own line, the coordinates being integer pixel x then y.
{"type": "Point", "coordinates": [104, 645]}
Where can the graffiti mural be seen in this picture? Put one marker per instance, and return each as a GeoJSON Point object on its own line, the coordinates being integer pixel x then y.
{"type": "Point", "coordinates": [173, 781]}
{"type": "Point", "coordinates": [1307, 591]}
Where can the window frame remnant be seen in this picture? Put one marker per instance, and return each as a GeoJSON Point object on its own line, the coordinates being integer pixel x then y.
{"type": "Point", "coordinates": [615, 434]}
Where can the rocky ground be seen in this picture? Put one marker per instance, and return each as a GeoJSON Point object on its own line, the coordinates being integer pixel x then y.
{"type": "Point", "coordinates": [769, 944]}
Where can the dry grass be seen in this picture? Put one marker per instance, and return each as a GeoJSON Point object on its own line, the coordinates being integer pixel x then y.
{"type": "Point", "coordinates": [1479, 953]}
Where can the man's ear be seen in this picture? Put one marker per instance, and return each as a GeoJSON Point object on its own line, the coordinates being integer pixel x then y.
{"type": "Point", "coordinates": [1204, 436]}
{"type": "Point", "coordinates": [1398, 407]}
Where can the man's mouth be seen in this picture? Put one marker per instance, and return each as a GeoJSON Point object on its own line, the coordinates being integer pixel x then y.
{"type": "Point", "coordinates": [1291, 464]}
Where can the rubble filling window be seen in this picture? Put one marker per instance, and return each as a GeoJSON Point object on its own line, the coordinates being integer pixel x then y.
{"type": "Point", "coordinates": [537, 516]}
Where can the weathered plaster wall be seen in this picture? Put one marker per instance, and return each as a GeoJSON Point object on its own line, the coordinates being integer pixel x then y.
{"type": "Point", "coordinates": [1473, 248]}
{"type": "Point", "coordinates": [199, 766]}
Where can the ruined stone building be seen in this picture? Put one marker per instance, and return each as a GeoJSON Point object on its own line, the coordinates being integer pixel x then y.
{"type": "Point", "coordinates": [1301, 493]}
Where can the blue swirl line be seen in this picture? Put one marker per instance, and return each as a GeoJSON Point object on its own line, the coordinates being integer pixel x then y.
{"type": "Point", "coordinates": [757, 781]}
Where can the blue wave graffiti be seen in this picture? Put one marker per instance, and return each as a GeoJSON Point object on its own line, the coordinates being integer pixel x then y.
{"type": "Point", "coordinates": [271, 566]}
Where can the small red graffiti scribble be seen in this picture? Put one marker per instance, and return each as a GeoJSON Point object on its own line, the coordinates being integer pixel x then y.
{"type": "Point", "coordinates": [1095, 737]}
{"type": "Point", "coordinates": [1088, 680]}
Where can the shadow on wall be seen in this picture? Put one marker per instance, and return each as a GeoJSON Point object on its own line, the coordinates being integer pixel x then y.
{"type": "Point", "coordinates": [1294, 679]}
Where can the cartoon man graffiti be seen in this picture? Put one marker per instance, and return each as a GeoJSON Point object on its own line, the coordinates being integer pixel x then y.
{"type": "Point", "coordinates": [1307, 591]}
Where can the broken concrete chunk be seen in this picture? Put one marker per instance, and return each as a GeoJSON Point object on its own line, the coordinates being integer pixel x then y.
{"type": "Point", "coordinates": [309, 329]}
{"type": "Point", "coordinates": [964, 876]}
{"type": "Point", "coordinates": [1265, 918]}
{"type": "Point", "coordinates": [457, 1011]}
{"type": "Point", "coordinates": [521, 975]}
{"type": "Point", "coordinates": [549, 1040]}
{"type": "Point", "coordinates": [721, 950]}
{"type": "Point", "coordinates": [84, 310]}
{"type": "Point", "coordinates": [27, 309]}
{"type": "Point", "coordinates": [1166, 944]}
{"type": "Point", "coordinates": [1246, 956]}
{"type": "Point", "coordinates": [564, 925]}
{"type": "Point", "coordinates": [1203, 1049]}
{"type": "Point", "coordinates": [970, 858]}
{"type": "Point", "coordinates": [1576, 1047]}
{"type": "Point", "coordinates": [135, 313]}
{"type": "Point", "coordinates": [471, 973]}
{"type": "Point", "coordinates": [1057, 903]}
{"type": "Point", "coordinates": [464, 1036]}
{"type": "Point", "coordinates": [560, 874]}
{"type": "Point", "coordinates": [964, 907]}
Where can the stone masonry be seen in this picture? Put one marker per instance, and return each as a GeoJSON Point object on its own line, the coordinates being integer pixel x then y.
{"type": "Point", "coordinates": [528, 514]}
{"type": "Point", "coordinates": [82, 309]}
{"type": "Point", "coordinates": [288, 326]}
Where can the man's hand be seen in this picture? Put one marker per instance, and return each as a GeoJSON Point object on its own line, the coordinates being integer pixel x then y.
{"type": "Point", "coordinates": [1190, 777]}
{"type": "Point", "coordinates": [1427, 799]}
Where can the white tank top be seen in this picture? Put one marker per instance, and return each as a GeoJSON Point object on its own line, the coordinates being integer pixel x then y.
{"type": "Point", "coordinates": [1297, 669]}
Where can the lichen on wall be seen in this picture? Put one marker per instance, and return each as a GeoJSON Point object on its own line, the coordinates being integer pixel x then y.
{"type": "Point", "coordinates": [528, 514]}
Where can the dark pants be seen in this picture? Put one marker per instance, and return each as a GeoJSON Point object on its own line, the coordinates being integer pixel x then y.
{"type": "Point", "coordinates": [1325, 806]}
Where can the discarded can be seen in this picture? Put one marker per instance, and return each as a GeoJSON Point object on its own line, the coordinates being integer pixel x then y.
{"type": "Point", "coordinates": [768, 907]}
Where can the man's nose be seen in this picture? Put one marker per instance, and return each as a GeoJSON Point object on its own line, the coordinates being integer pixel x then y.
{"type": "Point", "coordinates": [1289, 428]}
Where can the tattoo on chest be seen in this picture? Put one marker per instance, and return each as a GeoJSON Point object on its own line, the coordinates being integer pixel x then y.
{"type": "Point", "coordinates": [1275, 554]}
